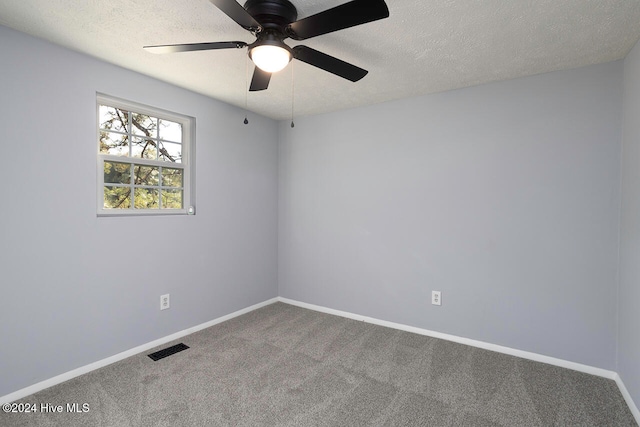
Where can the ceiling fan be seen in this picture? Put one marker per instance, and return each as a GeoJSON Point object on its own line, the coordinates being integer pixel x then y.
{"type": "Point", "coordinates": [273, 21]}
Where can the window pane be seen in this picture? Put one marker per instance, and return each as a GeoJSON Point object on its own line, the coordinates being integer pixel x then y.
{"type": "Point", "coordinates": [114, 143]}
{"type": "Point", "coordinates": [144, 148]}
{"type": "Point", "coordinates": [170, 131]}
{"type": "Point", "coordinates": [117, 173]}
{"type": "Point", "coordinates": [144, 125]}
{"type": "Point", "coordinates": [117, 197]}
{"type": "Point", "coordinates": [170, 152]}
{"type": "Point", "coordinates": [113, 118]}
{"type": "Point", "coordinates": [171, 177]}
{"type": "Point", "coordinates": [146, 175]}
{"type": "Point", "coordinates": [172, 199]}
{"type": "Point", "coordinates": [146, 198]}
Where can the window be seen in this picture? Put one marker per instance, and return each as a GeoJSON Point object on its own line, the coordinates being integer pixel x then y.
{"type": "Point", "coordinates": [145, 157]}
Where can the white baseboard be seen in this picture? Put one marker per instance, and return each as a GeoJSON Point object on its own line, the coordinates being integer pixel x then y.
{"type": "Point", "coordinates": [120, 356]}
{"type": "Point", "coordinates": [627, 398]}
{"type": "Point", "coordinates": [473, 343]}
{"type": "Point", "coordinates": [484, 345]}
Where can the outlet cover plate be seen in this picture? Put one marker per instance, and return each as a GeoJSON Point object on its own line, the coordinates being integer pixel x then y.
{"type": "Point", "coordinates": [164, 302]}
{"type": "Point", "coordinates": [436, 298]}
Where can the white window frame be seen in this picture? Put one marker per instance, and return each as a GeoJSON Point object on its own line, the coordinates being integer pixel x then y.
{"type": "Point", "coordinates": [187, 160]}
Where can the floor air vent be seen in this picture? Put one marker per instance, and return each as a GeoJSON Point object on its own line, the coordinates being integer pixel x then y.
{"type": "Point", "coordinates": [167, 352]}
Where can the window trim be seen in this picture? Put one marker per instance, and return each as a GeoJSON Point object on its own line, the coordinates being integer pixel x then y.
{"type": "Point", "coordinates": [187, 160]}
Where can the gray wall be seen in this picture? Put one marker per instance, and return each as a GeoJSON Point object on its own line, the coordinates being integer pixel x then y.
{"type": "Point", "coordinates": [505, 197]}
{"type": "Point", "coordinates": [70, 294]}
{"type": "Point", "coordinates": [629, 305]}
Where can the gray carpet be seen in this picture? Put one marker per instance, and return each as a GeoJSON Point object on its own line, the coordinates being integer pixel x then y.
{"type": "Point", "coordinates": [287, 366]}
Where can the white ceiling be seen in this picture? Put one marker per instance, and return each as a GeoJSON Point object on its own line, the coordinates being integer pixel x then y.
{"type": "Point", "coordinates": [423, 47]}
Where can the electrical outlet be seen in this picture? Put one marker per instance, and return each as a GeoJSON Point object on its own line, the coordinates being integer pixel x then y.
{"type": "Point", "coordinates": [164, 302]}
{"type": "Point", "coordinates": [436, 298]}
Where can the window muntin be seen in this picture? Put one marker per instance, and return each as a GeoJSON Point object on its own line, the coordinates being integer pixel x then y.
{"type": "Point", "coordinates": [143, 159]}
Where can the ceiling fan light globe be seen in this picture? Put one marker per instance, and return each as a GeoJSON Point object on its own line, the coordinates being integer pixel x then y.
{"type": "Point", "coordinates": [269, 58]}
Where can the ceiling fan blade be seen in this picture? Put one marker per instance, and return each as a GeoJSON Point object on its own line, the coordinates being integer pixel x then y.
{"type": "Point", "coordinates": [235, 11]}
{"type": "Point", "coordinates": [171, 48]}
{"type": "Point", "coordinates": [347, 15]}
{"type": "Point", "coordinates": [260, 80]}
{"type": "Point", "coordinates": [329, 63]}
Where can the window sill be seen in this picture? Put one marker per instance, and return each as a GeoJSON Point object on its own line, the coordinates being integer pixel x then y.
{"type": "Point", "coordinates": [144, 212]}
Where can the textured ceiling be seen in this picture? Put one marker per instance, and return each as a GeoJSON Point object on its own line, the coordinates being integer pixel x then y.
{"type": "Point", "coordinates": [423, 47]}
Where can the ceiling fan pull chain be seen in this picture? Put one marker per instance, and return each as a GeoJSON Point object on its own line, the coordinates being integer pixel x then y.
{"type": "Point", "coordinates": [246, 88]}
{"type": "Point", "coordinates": [292, 95]}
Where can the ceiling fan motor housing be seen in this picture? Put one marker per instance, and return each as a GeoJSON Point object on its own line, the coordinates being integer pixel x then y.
{"type": "Point", "coordinates": [272, 15]}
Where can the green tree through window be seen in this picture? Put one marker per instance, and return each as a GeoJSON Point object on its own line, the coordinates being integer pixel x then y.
{"type": "Point", "coordinates": [142, 158]}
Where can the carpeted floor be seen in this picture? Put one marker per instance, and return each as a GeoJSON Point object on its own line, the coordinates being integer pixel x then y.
{"type": "Point", "coordinates": [287, 366]}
